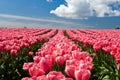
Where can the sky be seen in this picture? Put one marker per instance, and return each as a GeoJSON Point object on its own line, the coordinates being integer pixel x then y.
{"type": "Point", "coordinates": [93, 14]}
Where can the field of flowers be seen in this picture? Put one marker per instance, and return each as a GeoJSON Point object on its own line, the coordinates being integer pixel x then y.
{"type": "Point", "coordinates": [56, 54]}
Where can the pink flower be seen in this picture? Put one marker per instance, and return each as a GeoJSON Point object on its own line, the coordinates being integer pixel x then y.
{"type": "Point", "coordinates": [60, 60]}
{"type": "Point", "coordinates": [36, 59]}
{"type": "Point", "coordinates": [43, 77]}
{"type": "Point", "coordinates": [97, 47]}
{"type": "Point", "coordinates": [82, 74]}
{"type": "Point", "coordinates": [13, 52]}
{"type": "Point", "coordinates": [35, 71]}
{"type": "Point", "coordinates": [67, 79]}
{"type": "Point", "coordinates": [44, 64]}
{"type": "Point", "coordinates": [7, 47]}
{"type": "Point", "coordinates": [70, 62]}
{"type": "Point", "coordinates": [27, 45]}
{"type": "Point", "coordinates": [117, 58]}
{"type": "Point", "coordinates": [88, 59]}
{"type": "Point", "coordinates": [17, 47]}
{"type": "Point", "coordinates": [67, 56]}
{"type": "Point", "coordinates": [53, 75]}
{"type": "Point", "coordinates": [31, 53]}
{"type": "Point", "coordinates": [75, 47]}
{"type": "Point", "coordinates": [26, 78]}
{"type": "Point", "coordinates": [79, 55]}
{"type": "Point", "coordinates": [50, 60]}
{"type": "Point", "coordinates": [26, 66]}
{"type": "Point", "coordinates": [69, 70]}
{"type": "Point", "coordinates": [1, 46]}
{"type": "Point", "coordinates": [107, 49]}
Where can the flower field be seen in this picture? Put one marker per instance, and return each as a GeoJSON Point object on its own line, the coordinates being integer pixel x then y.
{"type": "Point", "coordinates": [56, 54]}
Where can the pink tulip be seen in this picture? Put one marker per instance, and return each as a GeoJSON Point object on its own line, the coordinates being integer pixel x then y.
{"type": "Point", "coordinates": [67, 56]}
{"type": "Point", "coordinates": [31, 53]}
{"type": "Point", "coordinates": [97, 47]}
{"type": "Point", "coordinates": [82, 74]}
{"type": "Point", "coordinates": [44, 64]}
{"type": "Point", "coordinates": [36, 59]}
{"type": "Point", "coordinates": [60, 60]}
{"type": "Point", "coordinates": [7, 48]}
{"type": "Point", "coordinates": [26, 66]}
{"type": "Point", "coordinates": [79, 55]}
{"type": "Point", "coordinates": [53, 75]}
{"type": "Point", "coordinates": [50, 60]}
{"type": "Point", "coordinates": [13, 52]}
{"type": "Point", "coordinates": [35, 71]}
{"type": "Point", "coordinates": [67, 79]}
{"type": "Point", "coordinates": [69, 70]}
{"type": "Point", "coordinates": [43, 77]}
{"type": "Point", "coordinates": [26, 78]}
{"type": "Point", "coordinates": [107, 49]}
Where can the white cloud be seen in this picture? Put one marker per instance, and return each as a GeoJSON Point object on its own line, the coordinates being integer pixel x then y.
{"type": "Point", "coordinates": [102, 7]}
{"type": "Point", "coordinates": [7, 20]}
{"type": "Point", "coordinates": [34, 19]}
{"type": "Point", "coordinates": [87, 8]}
{"type": "Point", "coordinates": [74, 9]}
{"type": "Point", "coordinates": [5, 23]}
{"type": "Point", "coordinates": [17, 24]}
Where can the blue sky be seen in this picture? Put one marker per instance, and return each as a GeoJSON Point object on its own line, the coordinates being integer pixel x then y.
{"type": "Point", "coordinates": [60, 13]}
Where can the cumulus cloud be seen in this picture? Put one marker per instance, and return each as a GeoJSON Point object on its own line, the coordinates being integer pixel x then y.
{"type": "Point", "coordinates": [104, 8]}
{"type": "Point", "coordinates": [86, 8]}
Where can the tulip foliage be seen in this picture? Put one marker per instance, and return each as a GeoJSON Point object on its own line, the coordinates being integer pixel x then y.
{"type": "Point", "coordinates": [56, 54]}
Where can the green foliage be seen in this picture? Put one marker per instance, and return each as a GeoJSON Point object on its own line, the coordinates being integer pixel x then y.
{"type": "Point", "coordinates": [105, 67]}
{"type": "Point", "coordinates": [61, 68]}
{"type": "Point", "coordinates": [104, 64]}
{"type": "Point", "coordinates": [57, 67]}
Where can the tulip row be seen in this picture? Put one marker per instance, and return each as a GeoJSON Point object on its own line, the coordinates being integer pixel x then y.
{"type": "Point", "coordinates": [17, 33]}
{"type": "Point", "coordinates": [101, 44]}
{"type": "Point", "coordinates": [13, 44]}
{"type": "Point", "coordinates": [107, 40]}
{"type": "Point", "coordinates": [22, 47]}
{"type": "Point", "coordinates": [59, 58]}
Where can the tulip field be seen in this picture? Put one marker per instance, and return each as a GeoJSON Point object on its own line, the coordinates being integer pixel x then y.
{"type": "Point", "coordinates": [59, 54]}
